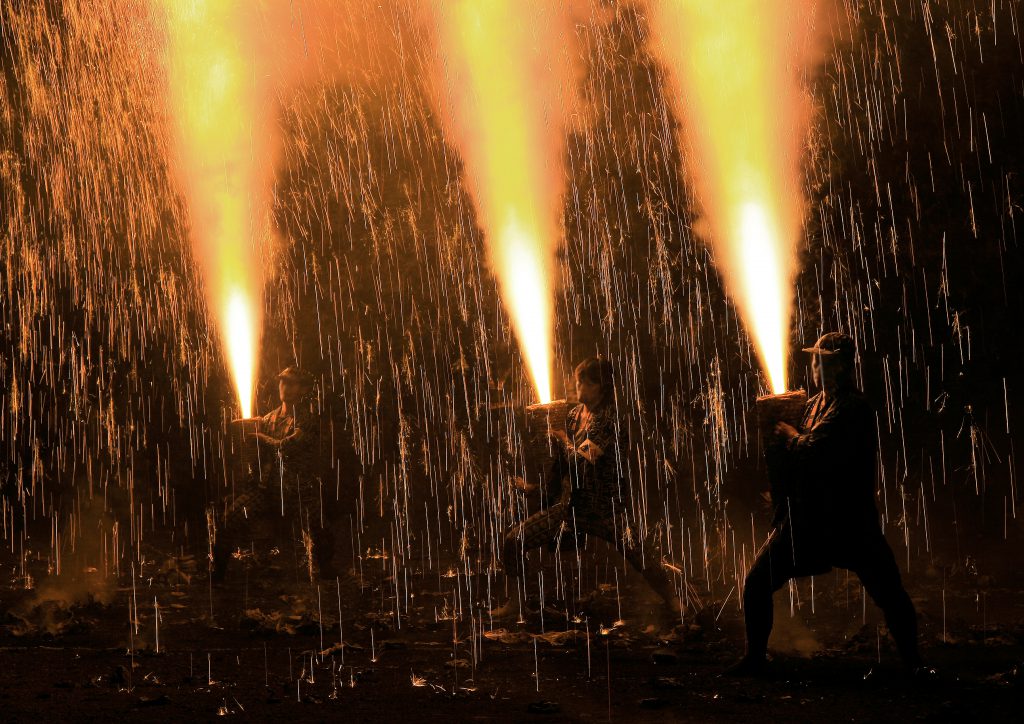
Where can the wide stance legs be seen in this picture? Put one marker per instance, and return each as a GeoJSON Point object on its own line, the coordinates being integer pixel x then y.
{"type": "Point", "coordinates": [546, 526]}
{"type": "Point", "coordinates": [872, 561]}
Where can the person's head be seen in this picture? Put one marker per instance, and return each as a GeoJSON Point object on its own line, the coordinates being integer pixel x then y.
{"type": "Point", "coordinates": [593, 381]}
{"type": "Point", "coordinates": [293, 384]}
{"type": "Point", "coordinates": [832, 360]}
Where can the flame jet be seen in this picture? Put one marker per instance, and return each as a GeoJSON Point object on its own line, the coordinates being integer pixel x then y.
{"type": "Point", "coordinates": [734, 69]}
{"type": "Point", "coordinates": [502, 100]}
{"type": "Point", "coordinates": [223, 162]}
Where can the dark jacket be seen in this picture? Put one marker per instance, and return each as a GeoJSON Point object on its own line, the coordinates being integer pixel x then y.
{"type": "Point", "coordinates": [823, 480]}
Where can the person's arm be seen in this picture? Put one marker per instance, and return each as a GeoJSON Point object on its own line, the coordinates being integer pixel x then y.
{"type": "Point", "coordinates": [303, 432]}
{"type": "Point", "coordinates": [293, 440]}
{"type": "Point", "coordinates": [284, 444]}
{"type": "Point", "coordinates": [263, 437]}
{"type": "Point", "coordinates": [832, 439]}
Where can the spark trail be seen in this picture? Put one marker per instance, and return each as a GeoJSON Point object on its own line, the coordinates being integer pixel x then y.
{"type": "Point", "coordinates": [108, 359]}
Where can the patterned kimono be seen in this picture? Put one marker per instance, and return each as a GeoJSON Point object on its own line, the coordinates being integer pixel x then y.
{"type": "Point", "coordinates": [589, 469]}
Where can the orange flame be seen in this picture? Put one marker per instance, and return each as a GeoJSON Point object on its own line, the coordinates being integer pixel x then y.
{"type": "Point", "coordinates": [222, 161]}
{"type": "Point", "coordinates": [734, 67]}
{"type": "Point", "coordinates": [503, 104]}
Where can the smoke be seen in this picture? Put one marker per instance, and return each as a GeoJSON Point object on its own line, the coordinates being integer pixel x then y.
{"type": "Point", "coordinates": [735, 72]}
{"type": "Point", "coordinates": [792, 635]}
{"type": "Point", "coordinates": [82, 581]}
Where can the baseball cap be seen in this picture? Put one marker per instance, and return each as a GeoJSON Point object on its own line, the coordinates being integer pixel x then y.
{"type": "Point", "coordinates": [296, 375]}
{"type": "Point", "coordinates": [832, 343]}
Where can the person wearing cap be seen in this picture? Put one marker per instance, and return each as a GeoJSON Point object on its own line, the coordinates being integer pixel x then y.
{"type": "Point", "coordinates": [587, 471]}
{"type": "Point", "coordinates": [823, 477]}
{"type": "Point", "coordinates": [286, 491]}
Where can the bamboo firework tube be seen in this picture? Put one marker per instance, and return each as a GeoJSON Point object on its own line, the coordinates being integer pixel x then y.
{"type": "Point", "coordinates": [243, 449]}
{"type": "Point", "coordinates": [787, 407]}
{"type": "Point", "coordinates": [543, 420]}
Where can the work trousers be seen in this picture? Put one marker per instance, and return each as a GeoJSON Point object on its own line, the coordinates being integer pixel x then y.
{"type": "Point", "coordinates": [783, 558]}
{"type": "Point", "coordinates": [284, 511]}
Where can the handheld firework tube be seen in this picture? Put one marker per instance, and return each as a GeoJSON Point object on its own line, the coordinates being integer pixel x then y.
{"type": "Point", "coordinates": [543, 420]}
{"type": "Point", "coordinates": [787, 407]}
{"type": "Point", "coordinates": [244, 452]}
{"type": "Point", "coordinates": [772, 409]}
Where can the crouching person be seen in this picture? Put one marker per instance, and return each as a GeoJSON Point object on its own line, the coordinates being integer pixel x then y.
{"type": "Point", "coordinates": [587, 467]}
{"type": "Point", "coordinates": [285, 498]}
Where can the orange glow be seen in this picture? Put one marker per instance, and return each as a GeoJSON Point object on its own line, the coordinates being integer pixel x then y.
{"type": "Point", "coordinates": [734, 68]}
{"type": "Point", "coordinates": [503, 103]}
{"type": "Point", "coordinates": [223, 149]}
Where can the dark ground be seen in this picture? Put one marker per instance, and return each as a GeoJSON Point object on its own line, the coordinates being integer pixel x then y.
{"type": "Point", "coordinates": [67, 648]}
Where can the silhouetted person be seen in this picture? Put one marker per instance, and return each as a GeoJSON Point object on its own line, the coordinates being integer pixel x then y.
{"type": "Point", "coordinates": [286, 494]}
{"type": "Point", "coordinates": [587, 469]}
{"type": "Point", "coordinates": [823, 489]}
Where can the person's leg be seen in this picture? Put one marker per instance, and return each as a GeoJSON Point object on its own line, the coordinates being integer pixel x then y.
{"type": "Point", "coordinates": [772, 569]}
{"type": "Point", "coordinates": [308, 514]}
{"type": "Point", "coordinates": [323, 552]}
{"type": "Point", "coordinates": [321, 524]}
{"type": "Point", "coordinates": [534, 532]}
{"type": "Point", "coordinates": [236, 530]}
{"type": "Point", "coordinates": [880, 575]}
{"type": "Point", "coordinates": [647, 561]}
{"type": "Point", "coordinates": [640, 554]}
{"type": "Point", "coordinates": [222, 549]}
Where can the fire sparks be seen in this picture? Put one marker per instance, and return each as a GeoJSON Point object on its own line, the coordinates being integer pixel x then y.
{"type": "Point", "coordinates": [734, 69]}
{"type": "Point", "coordinates": [503, 103]}
{"type": "Point", "coordinates": [223, 145]}
{"type": "Point", "coordinates": [109, 415]}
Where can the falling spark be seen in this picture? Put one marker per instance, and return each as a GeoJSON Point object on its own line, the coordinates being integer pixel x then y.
{"type": "Point", "coordinates": [223, 160]}
{"type": "Point", "coordinates": [734, 69]}
{"type": "Point", "coordinates": [108, 355]}
{"type": "Point", "coordinates": [503, 102]}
